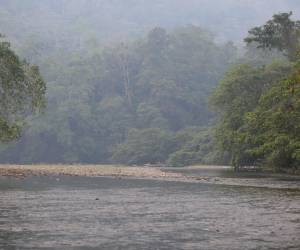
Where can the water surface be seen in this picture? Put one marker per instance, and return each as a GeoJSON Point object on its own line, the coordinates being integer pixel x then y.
{"type": "Point", "coordinates": [112, 213]}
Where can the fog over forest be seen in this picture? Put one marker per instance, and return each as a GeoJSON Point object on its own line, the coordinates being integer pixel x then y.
{"type": "Point", "coordinates": [150, 124]}
{"type": "Point", "coordinates": [130, 81]}
{"type": "Point", "coordinates": [74, 24]}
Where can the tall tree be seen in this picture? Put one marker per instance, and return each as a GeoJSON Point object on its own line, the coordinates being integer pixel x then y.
{"type": "Point", "coordinates": [280, 33]}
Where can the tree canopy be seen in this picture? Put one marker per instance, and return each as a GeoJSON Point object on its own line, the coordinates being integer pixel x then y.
{"type": "Point", "coordinates": [155, 86]}
{"type": "Point", "coordinates": [258, 105]}
{"type": "Point", "coordinates": [280, 33]}
{"type": "Point", "coordinates": [145, 100]}
{"type": "Point", "coordinates": [22, 91]}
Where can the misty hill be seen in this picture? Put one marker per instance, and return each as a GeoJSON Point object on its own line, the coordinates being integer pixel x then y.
{"type": "Point", "coordinates": [73, 25]}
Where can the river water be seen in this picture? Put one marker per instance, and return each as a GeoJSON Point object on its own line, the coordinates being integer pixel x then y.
{"type": "Point", "coordinates": [113, 213]}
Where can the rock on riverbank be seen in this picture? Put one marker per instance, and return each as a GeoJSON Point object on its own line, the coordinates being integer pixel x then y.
{"type": "Point", "coordinates": [21, 171]}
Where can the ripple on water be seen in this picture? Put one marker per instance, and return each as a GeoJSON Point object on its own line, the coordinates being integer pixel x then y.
{"type": "Point", "coordinates": [87, 213]}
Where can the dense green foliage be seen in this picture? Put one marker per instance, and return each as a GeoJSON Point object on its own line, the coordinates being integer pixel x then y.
{"type": "Point", "coordinates": [237, 95]}
{"type": "Point", "coordinates": [196, 146]}
{"type": "Point", "coordinates": [113, 96]}
{"type": "Point", "coordinates": [259, 108]}
{"type": "Point", "coordinates": [151, 145]}
{"type": "Point", "coordinates": [22, 92]}
{"type": "Point", "coordinates": [117, 103]}
{"type": "Point", "coordinates": [273, 128]}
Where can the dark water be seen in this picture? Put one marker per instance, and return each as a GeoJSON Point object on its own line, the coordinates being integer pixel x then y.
{"type": "Point", "coordinates": [110, 213]}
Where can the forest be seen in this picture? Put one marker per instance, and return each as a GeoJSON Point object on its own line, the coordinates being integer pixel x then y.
{"type": "Point", "coordinates": [151, 90]}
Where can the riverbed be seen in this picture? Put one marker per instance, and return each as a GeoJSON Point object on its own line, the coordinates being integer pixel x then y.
{"type": "Point", "coordinates": [78, 212]}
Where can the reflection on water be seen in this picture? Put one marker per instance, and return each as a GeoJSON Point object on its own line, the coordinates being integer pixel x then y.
{"type": "Point", "coordinates": [109, 213]}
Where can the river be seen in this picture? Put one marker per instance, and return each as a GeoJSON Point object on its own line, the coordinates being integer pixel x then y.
{"type": "Point", "coordinates": [130, 213]}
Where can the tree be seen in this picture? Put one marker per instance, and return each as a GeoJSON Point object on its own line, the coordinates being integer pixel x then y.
{"type": "Point", "coordinates": [280, 33]}
{"type": "Point", "coordinates": [144, 146]}
{"type": "Point", "coordinates": [22, 91]}
{"type": "Point", "coordinates": [273, 128]}
{"type": "Point", "coordinates": [236, 96]}
{"type": "Point", "coordinates": [258, 105]}
{"type": "Point", "coordinates": [196, 146]}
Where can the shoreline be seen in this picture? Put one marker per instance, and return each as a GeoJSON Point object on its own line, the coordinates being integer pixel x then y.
{"type": "Point", "coordinates": [23, 171]}
{"type": "Point", "coordinates": [119, 171]}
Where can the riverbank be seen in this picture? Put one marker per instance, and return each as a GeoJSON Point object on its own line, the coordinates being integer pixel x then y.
{"type": "Point", "coordinates": [22, 171]}
{"type": "Point", "coordinates": [215, 175]}
{"type": "Point", "coordinates": [225, 175]}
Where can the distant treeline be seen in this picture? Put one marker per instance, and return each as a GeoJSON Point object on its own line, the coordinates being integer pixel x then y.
{"type": "Point", "coordinates": [156, 99]}
{"type": "Point", "coordinates": [135, 103]}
